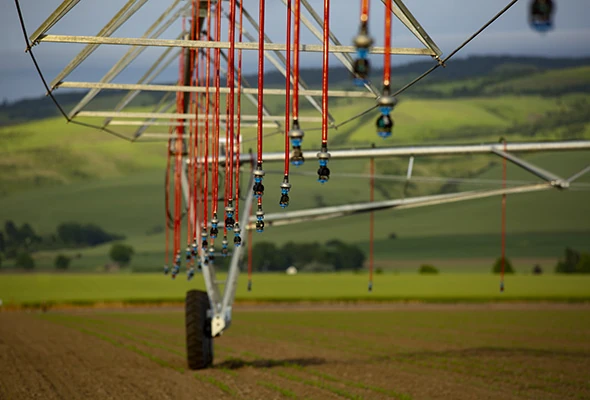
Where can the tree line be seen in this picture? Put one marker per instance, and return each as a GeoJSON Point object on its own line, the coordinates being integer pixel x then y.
{"type": "Point", "coordinates": [19, 242]}
{"type": "Point", "coordinates": [334, 255]}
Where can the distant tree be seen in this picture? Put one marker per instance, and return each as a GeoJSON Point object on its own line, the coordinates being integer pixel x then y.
{"type": "Point", "coordinates": [2, 243]}
{"type": "Point", "coordinates": [11, 231]}
{"type": "Point", "coordinates": [75, 234]}
{"type": "Point", "coordinates": [537, 270]}
{"type": "Point", "coordinates": [266, 257]}
{"type": "Point", "coordinates": [69, 232]}
{"type": "Point", "coordinates": [428, 269]}
{"type": "Point", "coordinates": [497, 268]}
{"type": "Point", "coordinates": [569, 264]}
{"type": "Point", "coordinates": [62, 261]}
{"type": "Point", "coordinates": [24, 260]}
{"type": "Point", "coordinates": [121, 253]}
{"type": "Point", "coordinates": [344, 256]}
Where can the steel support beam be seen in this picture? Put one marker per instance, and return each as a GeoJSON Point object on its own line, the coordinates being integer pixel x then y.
{"type": "Point", "coordinates": [433, 150]}
{"type": "Point", "coordinates": [201, 44]}
{"type": "Point", "coordinates": [121, 114]}
{"type": "Point", "coordinates": [291, 217]}
{"type": "Point", "coordinates": [175, 123]}
{"type": "Point", "coordinates": [202, 89]}
{"type": "Point", "coordinates": [222, 319]}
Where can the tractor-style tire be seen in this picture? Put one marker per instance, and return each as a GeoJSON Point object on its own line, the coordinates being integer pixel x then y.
{"type": "Point", "coordinates": [199, 343]}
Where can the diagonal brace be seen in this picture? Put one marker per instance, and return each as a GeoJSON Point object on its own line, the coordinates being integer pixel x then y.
{"type": "Point", "coordinates": [555, 180]}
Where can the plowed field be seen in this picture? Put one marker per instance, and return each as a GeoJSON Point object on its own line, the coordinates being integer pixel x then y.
{"type": "Point", "coordinates": [325, 352]}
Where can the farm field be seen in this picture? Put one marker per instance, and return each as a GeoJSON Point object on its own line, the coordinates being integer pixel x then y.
{"type": "Point", "coordinates": [89, 289]}
{"type": "Point", "coordinates": [508, 351]}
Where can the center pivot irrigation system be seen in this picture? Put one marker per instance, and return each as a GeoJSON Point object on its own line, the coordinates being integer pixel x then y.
{"type": "Point", "coordinates": [195, 115]}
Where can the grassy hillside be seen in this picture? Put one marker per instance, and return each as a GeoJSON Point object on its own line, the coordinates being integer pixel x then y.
{"type": "Point", "coordinates": [52, 172]}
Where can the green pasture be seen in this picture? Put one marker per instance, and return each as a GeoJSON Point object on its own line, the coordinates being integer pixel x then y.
{"type": "Point", "coordinates": [539, 225]}
{"type": "Point", "coordinates": [544, 81]}
{"type": "Point", "coordinates": [52, 152]}
{"type": "Point", "coordinates": [151, 288]}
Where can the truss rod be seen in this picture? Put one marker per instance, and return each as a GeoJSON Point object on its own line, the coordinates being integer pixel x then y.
{"type": "Point", "coordinates": [53, 19]}
{"type": "Point", "coordinates": [287, 218]}
{"type": "Point", "coordinates": [130, 8]}
{"type": "Point", "coordinates": [201, 44]}
{"type": "Point", "coordinates": [579, 174]}
{"type": "Point", "coordinates": [175, 123]}
{"type": "Point", "coordinates": [344, 58]}
{"type": "Point", "coordinates": [533, 169]}
{"type": "Point", "coordinates": [132, 53]}
{"type": "Point", "coordinates": [435, 150]}
{"type": "Point", "coordinates": [121, 114]}
{"type": "Point", "coordinates": [201, 89]}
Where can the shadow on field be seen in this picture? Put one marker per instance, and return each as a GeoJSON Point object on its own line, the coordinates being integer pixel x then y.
{"type": "Point", "coordinates": [482, 352]}
{"type": "Point", "coordinates": [237, 363]}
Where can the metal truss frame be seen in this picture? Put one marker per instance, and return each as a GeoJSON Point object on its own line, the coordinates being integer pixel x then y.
{"type": "Point", "coordinates": [151, 38]}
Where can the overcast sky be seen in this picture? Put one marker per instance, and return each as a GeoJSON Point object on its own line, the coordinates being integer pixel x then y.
{"type": "Point", "coordinates": [448, 25]}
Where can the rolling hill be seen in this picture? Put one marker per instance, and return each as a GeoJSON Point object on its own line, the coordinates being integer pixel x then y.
{"type": "Point", "coordinates": [52, 172]}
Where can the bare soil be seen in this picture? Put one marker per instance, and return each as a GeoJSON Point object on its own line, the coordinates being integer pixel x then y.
{"type": "Point", "coordinates": [437, 351]}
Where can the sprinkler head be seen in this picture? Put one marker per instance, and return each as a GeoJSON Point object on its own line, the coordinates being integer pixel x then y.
{"type": "Point", "coordinates": [259, 226]}
{"type": "Point", "coordinates": [166, 269]}
{"type": "Point", "coordinates": [229, 212]}
{"type": "Point", "coordinates": [323, 170]}
{"type": "Point", "coordinates": [212, 254]}
{"type": "Point", "coordinates": [297, 157]}
{"type": "Point", "coordinates": [229, 223]}
{"type": "Point", "coordinates": [285, 187]}
{"type": "Point", "coordinates": [188, 254]}
{"type": "Point", "coordinates": [249, 286]}
{"type": "Point", "coordinates": [224, 250]}
{"type": "Point", "coordinates": [284, 202]}
{"type": "Point", "coordinates": [191, 274]}
{"type": "Point", "coordinates": [361, 69]}
{"type": "Point", "coordinates": [204, 235]}
{"type": "Point", "coordinates": [258, 186]}
{"type": "Point", "coordinates": [214, 231]}
{"type": "Point", "coordinates": [237, 237]}
{"type": "Point", "coordinates": [384, 126]}
{"type": "Point", "coordinates": [296, 136]}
